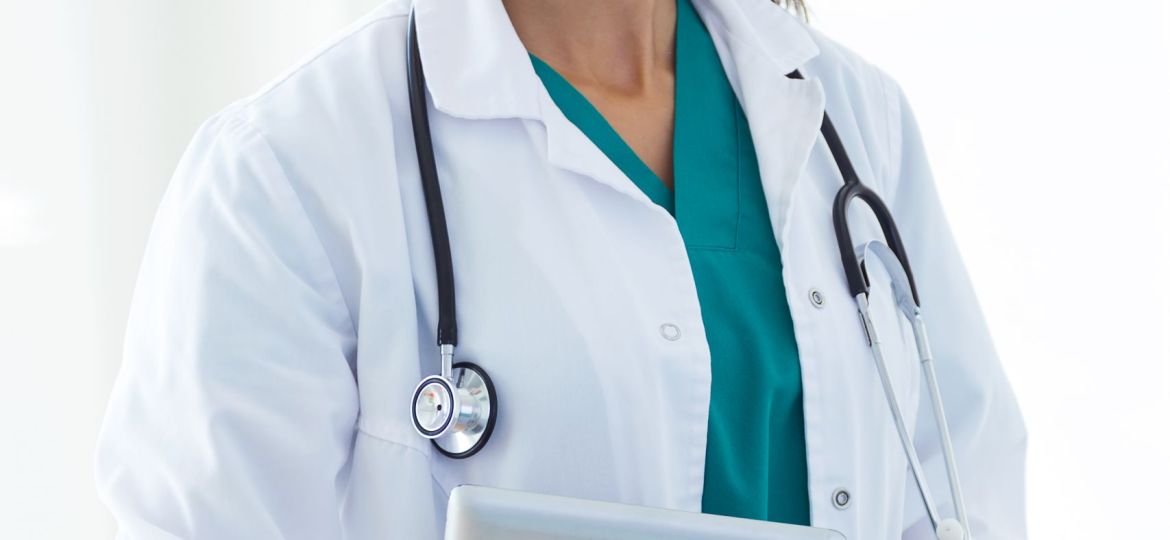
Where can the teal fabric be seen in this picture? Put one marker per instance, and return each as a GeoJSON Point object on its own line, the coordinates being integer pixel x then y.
{"type": "Point", "coordinates": [756, 466]}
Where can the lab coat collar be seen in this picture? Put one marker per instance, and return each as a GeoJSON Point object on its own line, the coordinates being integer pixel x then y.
{"type": "Point", "coordinates": [476, 66]}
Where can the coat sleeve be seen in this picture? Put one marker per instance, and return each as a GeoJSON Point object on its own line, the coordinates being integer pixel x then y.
{"type": "Point", "coordinates": [985, 421]}
{"type": "Point", "coordinates": [233, 414]}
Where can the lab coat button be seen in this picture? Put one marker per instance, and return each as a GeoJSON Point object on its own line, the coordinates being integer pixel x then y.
{"type": "Point", "coordinates": [842, 499]}
{"type": "Point", "coordinates": [670, 332]}
{"type": "Point", "coordinates": [816, 298]}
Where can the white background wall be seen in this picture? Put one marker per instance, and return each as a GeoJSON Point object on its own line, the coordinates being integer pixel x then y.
{"type": "Point", "coordinates": [97, 101]}
{"type": "Point", "coordinates": [1046, 122]}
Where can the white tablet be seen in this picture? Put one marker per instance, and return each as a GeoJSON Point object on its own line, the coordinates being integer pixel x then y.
{"type": "Point", "coordinates": [483, 513]}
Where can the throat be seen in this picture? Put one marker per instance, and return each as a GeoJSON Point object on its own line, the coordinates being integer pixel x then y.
{"type": "Point", "coordinates": [646, 124]}
{"type": "Point", "coordinates": [620, 55]}
{"type": "Point", "coordinates": [622, 45]}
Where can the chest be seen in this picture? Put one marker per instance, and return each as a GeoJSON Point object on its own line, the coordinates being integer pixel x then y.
{"type": "Point", "coordinates": [576, 294]}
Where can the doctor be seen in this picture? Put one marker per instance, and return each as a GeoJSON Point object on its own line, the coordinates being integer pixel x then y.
{"type": "Point", "coordinates": [638, 203]}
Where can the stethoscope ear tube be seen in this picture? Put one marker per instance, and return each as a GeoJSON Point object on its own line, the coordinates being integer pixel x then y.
{"type": "Point", "coordinates": [433, 196]}
{"type": "Point", "coordinates": [854, 189]}
{"type": "Point", "coordinates": [854, 273]}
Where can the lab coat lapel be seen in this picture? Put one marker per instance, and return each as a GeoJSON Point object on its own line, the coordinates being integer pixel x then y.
{"type": "Point", "coordinates": [572, 150]}
{"type": "Point", "coordinates": [477, 68]}
{"type": "Point", "coordinates": [475, 65]}
{"type": "Point", "coordinates": [759, 44]}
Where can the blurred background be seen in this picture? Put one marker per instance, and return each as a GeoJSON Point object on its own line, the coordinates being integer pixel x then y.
{"type": "Point", "coordinates": [1046, 122]}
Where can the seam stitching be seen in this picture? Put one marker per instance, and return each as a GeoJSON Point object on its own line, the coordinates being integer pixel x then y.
{"type": "Point", "coordinates": [893, 130]}
{"type": "Point", "coordinates": [739, 142]}
{"type": "Point", "coordinates": [384, 440]}
{"type": "Point", "coordinates": [430, 471]}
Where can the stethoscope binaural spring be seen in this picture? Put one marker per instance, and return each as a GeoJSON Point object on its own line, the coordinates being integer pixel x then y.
{"type": "Point", "coordinates": [457, 408]}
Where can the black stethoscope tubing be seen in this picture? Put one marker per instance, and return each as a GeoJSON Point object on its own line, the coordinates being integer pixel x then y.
{"type": "Point", "coordinates": [854, 189]}
{"type": "Point", "coordinates": [432, 194]}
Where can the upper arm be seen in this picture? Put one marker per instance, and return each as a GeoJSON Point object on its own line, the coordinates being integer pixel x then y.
{"type": "Point", "coordinates": [233, 414]}
{"type": "Point", "coordinates": [985, 422]}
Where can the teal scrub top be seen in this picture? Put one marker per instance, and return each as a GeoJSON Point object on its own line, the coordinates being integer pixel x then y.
{"type": "Point", "coordinates": [755, 465]}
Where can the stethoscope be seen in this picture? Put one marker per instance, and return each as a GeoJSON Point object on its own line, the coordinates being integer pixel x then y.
{"type": "Point", "coordinates": [457, 408]}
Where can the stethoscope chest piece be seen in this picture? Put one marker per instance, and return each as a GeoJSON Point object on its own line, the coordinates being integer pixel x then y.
{"type": "Point", "coordinates": [456, 412]}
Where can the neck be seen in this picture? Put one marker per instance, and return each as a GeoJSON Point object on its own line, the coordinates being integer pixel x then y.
{"type": "Point", "coordinates": [619, 45]}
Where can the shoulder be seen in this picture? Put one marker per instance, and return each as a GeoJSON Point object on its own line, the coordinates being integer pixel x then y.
{"type": "Point", "coordinates": [351, 56]}
{"type": "Point", "coordinates": [340, 94]}
{"type": "Point", "coordinates": [345, 83]}
{"type": "Point", "coordinates": [326, 126]}
{"type": "Point", "coordinates": [317, 142]}
{"type": "Point", "coordinates": [864, 101]}
{"type": "Point", "coordinates": [843, 67]}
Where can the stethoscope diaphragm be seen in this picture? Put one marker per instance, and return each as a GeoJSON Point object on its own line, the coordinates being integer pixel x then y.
{"type": "Point", "coordinates": [457, 413]}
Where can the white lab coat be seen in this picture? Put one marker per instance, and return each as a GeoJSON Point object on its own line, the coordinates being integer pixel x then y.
{"type": "Point", "coordinates": [286, 304]}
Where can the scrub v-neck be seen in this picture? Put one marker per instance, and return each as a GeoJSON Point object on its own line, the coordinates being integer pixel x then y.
{"type": "Point", "coordinates": [756, 464]}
